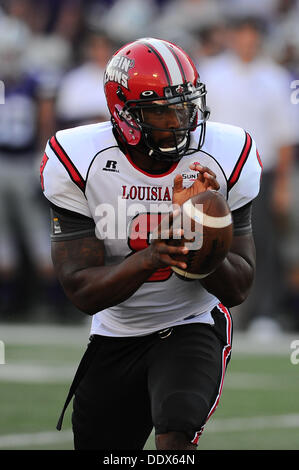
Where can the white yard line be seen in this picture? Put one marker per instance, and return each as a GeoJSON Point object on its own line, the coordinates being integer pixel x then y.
{"type": "Point", "coordinates": [25, 373]}
{"type": "Point", "coordinates": [253, 423]}
{"type": "Point", "coordinates": [13, 441]}
{"type": "Point", "coordinates": [258, 381]}
{"type": "Point", "coordinates": [35, 334]}
{"type": "Point", "coordinates": [44, 373]}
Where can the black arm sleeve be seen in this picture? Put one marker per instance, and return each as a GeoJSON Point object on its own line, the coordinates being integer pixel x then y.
{"type": "Point", "coordinates": [242, 219]}
{"type": "Point", "coordinates": [69, 225]}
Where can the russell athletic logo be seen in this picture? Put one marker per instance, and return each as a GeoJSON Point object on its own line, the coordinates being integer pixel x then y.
{"type": "Point", "coordinates": [111, 166]}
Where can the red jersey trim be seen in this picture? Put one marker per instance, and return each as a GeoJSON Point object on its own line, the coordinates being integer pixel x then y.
{"type": "Point", "coordinates": [160, 175]}
{"type": "Point", "coordinates": [41, 170]}
{"type": "Point", "coordinates": [67, 163]}
{"type": "Point", "coordinates": [235, 175]}
{"type": "Point", "coordinates": [259, 159]}
{"type": "Point", "coordinates": [225, 357]}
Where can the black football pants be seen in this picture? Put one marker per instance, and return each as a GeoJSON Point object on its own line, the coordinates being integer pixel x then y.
{"type": "Point", "coordinates": [170, 380]}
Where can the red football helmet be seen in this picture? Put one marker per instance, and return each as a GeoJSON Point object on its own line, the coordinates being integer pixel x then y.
{"type": "Point", "coordinates": [150, 75]}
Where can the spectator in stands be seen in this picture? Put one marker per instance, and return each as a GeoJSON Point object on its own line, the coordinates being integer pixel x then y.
{"type": "Point", "coordinates": [209, 43]}
{"type": "Point", "coordinates": [264, 11]}
{"type": "Point", "coordinates": [250, 90]}
{"type": "Point", "coordinates": [25, 120]}
{"type": "Point", "coordinates": [128, 19]}
{"type": "Point", "coordinates": [189, 15]}
{"type": "Point", "coordinates": [81, 98]}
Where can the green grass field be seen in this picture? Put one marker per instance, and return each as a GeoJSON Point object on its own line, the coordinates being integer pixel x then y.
{"type": "Point", "coordinates": [259, 408]}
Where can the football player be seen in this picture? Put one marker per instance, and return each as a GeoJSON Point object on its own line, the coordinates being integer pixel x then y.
{"type": "Point", "coordinates": [159, 346]}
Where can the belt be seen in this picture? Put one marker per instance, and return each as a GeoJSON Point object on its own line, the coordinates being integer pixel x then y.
{"type": "Point", "coordinates": [165, 333]}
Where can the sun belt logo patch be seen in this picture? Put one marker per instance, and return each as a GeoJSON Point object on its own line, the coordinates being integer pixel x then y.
{"type": "Point", "coordinates": [118, 70]}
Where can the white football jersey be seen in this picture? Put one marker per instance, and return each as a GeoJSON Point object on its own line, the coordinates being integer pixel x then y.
{"type": "Point", "coordinates": [85, 171]}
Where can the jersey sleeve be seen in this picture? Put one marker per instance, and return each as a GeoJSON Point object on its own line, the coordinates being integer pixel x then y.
{"type": "Point", "coordinates": [242, 220]}
{"type": "Point", "coordinates": [68, 225]}
{"type": "Point", "coordinates": [244, 180]}
{"type": "Point", "coordinates": [61, 181]}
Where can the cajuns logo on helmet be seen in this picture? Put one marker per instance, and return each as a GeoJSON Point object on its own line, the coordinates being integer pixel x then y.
{"type": "Point", "coordinates": [118, 70]}
{"type": "Point", "coordinates": [155, 71]}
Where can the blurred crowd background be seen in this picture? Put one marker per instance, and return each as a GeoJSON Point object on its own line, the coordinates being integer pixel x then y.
{"type": "Point", "coordinates": [52, 57]}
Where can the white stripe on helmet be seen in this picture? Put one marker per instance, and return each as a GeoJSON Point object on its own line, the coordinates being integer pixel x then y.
{"type": "Point", "coordinates": [169, 59]}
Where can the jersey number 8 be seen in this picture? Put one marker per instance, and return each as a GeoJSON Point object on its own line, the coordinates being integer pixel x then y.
{"type": "Point", "coordinates": [142, 225]}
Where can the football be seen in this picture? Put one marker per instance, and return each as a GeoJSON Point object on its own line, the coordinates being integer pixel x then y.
{"type": "Point", "coordinates": [208, 231]}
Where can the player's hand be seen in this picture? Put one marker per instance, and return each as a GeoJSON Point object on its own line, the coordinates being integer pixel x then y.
{"type": "Point", "coordinates": [206, 179]}
{"type": "Point", "coordinates": [164, 245]}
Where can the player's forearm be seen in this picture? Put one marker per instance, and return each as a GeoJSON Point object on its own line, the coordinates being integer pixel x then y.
{"type": "Point", "coordinates": [95, 288]}
{"type": "Point", "coordinates": [231, 282]}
